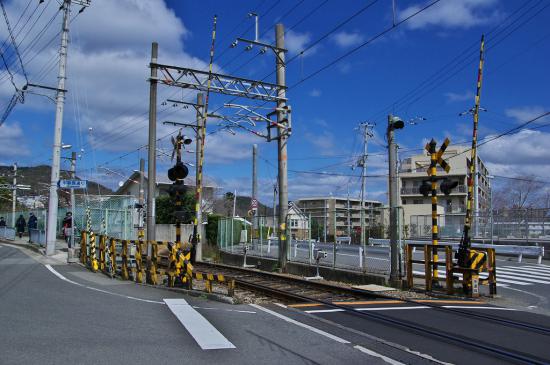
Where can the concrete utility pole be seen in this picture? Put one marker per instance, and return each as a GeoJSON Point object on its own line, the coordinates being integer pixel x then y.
{"type": "Point", "coordinates": [14, 194]}
{"type": "Point", "coordinates": [367, 133]}
{"type": "Point", "coordinates": [254, 187]}
{"type": "Point", "coordinates": [60, 101]}
{"type": "Point", "coordinates": [199, 155]}
{"type": "Point", "coordinates": [282, 135]}
{"type": "Point", "coordinates": [73, 176]}
{"type": "Point", "coordinates": [141, 197]}
{"type": "Point", "coordinates": [152, 155]}
{"type": "Point", "coordinates": [393, 200]}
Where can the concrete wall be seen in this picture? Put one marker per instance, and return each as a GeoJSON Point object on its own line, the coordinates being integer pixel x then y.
{"type": "Point", "coordinates": [167, 232]}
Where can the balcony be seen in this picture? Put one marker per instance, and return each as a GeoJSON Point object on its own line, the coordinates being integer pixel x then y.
{"type": "Point", "coordinates": [461, 189]}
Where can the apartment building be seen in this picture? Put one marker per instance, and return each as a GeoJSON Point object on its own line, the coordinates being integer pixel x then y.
{"type": "Point", "coordinates": [341, 216]}
{"type": "Point", "coordinates": [451, 208]}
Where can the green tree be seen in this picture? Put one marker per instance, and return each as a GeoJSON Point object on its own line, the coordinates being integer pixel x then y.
{"type": "Point", "coordinates": [211, 230]}
{"type": "Point", "coordinates": [166, 207]}
{"type": "Point", "coordinates": [5, 197]}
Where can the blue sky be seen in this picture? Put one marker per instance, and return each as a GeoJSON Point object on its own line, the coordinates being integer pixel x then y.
{"type": "Point", "coordinates": [425, 67]}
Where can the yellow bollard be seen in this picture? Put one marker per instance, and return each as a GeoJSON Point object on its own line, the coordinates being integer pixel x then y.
{"type": "Point", "coordinates": [153, 267]}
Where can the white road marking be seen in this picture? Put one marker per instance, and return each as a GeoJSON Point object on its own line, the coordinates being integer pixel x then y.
{"type": "Point", "coordinates": [523, 272]}
{"type": "Point", "coordinates": [442, 275]}
{"type": "Point", "coordinates": [324, 311]}
{"type": "Point", "coordinates": [542, 270]}
{"type": "Point", "coordinates": [530, 280]}
{"type": "Point", "coordinates": [204, 333]}
{"type": "Point", "coordinates": [53, 271]}
{"type": "Point", "coordinates": [391, 308]}
{"type": "Point", "coordinates": [224, 310]}
{"type": "Point", "coordinates": [376, 354]}
{"type": "Point", "coordinates": [477, 307]}
{"type": "Point", "coordinates": [300, 324]}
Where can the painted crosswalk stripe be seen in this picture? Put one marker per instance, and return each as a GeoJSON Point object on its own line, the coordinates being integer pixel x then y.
{"type": "Point", "coordinates": [520, 275]}
{"type": "Point", "coordinates": [523, 272]}
{"type": "Point", "coordinates": [541, 269]}
{"type": "Point", "coordinates": [506, 281]}
{"type": "Point", "coordinates": [533, 272]}
{"type": "Point", "coordinates": [529, 280]}
{"type": "Point", "coordinates": [204, 333]}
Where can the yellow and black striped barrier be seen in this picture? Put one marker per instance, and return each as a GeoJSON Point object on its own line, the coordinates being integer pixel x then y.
{"type": "Point", "coordinates": [480, 260]}
{"type": "Point", "coordinates": [125, 258]}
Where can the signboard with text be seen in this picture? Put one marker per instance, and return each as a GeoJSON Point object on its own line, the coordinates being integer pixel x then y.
{"type": "Point", "coordinates": [73, 184]}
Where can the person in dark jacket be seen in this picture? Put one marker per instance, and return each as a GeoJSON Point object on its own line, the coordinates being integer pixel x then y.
{"type": "Point", "coordinates": [2, 222]}
{"type": "Point", "coordinates": [68, 228]}
{"type": "Point", "coordinates": [32, 224]}
{"type": "Point", "coordinates": [20, 225]}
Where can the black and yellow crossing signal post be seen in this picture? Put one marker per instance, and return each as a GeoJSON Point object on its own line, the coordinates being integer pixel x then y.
{"type": "Point", "coordinates": [177, 190]}
{"type": "Point", "coordinates": [429, 187]}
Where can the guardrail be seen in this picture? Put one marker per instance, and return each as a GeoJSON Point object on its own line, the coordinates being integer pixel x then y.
{"type": "Point", "coordinates": [7, 233]}
{"type": "Point", "coordinates": [520, 251]}
{"type": "Point", "coordinates": [37, 237]}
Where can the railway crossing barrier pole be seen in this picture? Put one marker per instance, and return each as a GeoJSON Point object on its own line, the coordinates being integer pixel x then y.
{"type": "Point", "coordinates": [449, 266]}
{"type": "Point", "coordinates": [428, 267]}
{"type": "Point", "coordinates": [152, 269]}
{"type": "Point", "coordinates": [360, 257]}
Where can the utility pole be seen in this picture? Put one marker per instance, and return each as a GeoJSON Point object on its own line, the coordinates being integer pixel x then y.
{"type": "Point", "coordinates": [393, 123]}
{"type": "Point", "coordinates": [282, 134]}
{"type": "Point", "coordinates": [141, 198]}
{"type": "Point", "coordinates": [199, 156]}
{"type": "Point", "coordinates": [73, 176]}
{"type": "Point", "coordinates": [254, 201]}
{"type": "Point", "coordinates": [349, 217]}
{"type": "Point", "coordinates": [14, 194]}
{"type": "Point", "coordinates": [60, 101]}
{"type": "Point", "coordinates": [152, 153]}
{"type": "Point", "coordinates": [275, 206]}
{"type": "Point", "coordinates": [367, 133]}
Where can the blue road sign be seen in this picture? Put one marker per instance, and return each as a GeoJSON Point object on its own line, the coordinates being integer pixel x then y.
{"type": "Point", "coordinates": [73, 184]}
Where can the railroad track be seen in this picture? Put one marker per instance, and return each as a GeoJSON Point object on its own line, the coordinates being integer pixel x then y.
{"type": "Point", "coordinates": [292, 289]}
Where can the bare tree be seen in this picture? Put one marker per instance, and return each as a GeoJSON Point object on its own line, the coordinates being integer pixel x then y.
{"type": "Point", "coordinates": [520, 194]}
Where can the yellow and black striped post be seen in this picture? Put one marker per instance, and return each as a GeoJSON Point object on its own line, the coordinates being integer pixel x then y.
{"type": "Point", "coordinates": [153, 278]}
{"type": "Point", "coordinates": [102, 252]}
{"type": "Point", "coordinates": [433, 175]}
{"type": "Point", "coordinates": [139, 261]}
{"type": "Point", "coordinates": [84, 247]}
{"type": "Point", "coordinates": [112, 257]}
{"type": "Point", "coordinates": [124, 261]}
{"type": "Point", "coordinates": [93, 258]}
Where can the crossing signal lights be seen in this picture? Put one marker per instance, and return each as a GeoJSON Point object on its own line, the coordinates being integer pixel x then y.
{"type": "Point", "coordinates": [425, 188]}
{"type": "Point", "coordinates": [396, 123]}
{"type": "Point", "coordinates": [447, 186]}
{"type": "Point", "coordinates": [178, 172]}
{"type": "Point", "coordinates": [177, 189]}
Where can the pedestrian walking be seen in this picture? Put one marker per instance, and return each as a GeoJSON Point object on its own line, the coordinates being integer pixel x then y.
{"type": "Point", "coordinates": [68, 228]}
{"type": "Point", "coordinates": [20, 225]}
{"type": "Point", "coordinates": [32, 224]}
{"type": "Point", "coordinates": [2, 222]}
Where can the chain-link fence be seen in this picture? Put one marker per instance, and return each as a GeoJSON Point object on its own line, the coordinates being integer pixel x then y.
{"type": "Point", "coordinates": [337, 233]}
{"type": "Point", "coordinates": [113, 215]}
{"type": "Point", "coordinates": [521, 224]}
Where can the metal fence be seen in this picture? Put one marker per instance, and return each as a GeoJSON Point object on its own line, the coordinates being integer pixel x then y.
{"type": "Point", "coordinates": [113, 215]}
{"type": "Point", "coordinates": [7, 233]}
{"type": "Point", "coordinates": [505, 224]}
{"type": "Point", "coordinates": [308, 233]}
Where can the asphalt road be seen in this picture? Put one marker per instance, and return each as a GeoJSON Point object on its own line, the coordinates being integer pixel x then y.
{"type": "Point", "coordinates": [66, 314]}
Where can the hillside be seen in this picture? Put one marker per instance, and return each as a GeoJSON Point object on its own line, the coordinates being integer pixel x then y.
{"type": "Point", "coordinates": [38, 177]}
{"type": "Point", "coordinates": [224, 207]}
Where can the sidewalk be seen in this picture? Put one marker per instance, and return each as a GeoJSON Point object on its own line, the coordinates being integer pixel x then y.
{"type": "Point", "coordinates": [60, 247]}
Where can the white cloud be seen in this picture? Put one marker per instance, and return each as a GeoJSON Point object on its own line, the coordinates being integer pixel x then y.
{"type": "Point", "coordinates": [324, 141]}
{"type": "Point", "coordinates": [452, 14]}
{"type": "Point", "coordinates": [454, 97]}
{"type": "Point", "coordinates": [526, 113]}
{"type": "Point", "coordinates": [521, 154]}
{"type": "Point", "coordinates": [296, 42]}
{"type": "Point", "coordinates": [223, 147]}
{"type": "Point", "coordinates": [344, 39]}
{"type": "Point", "coordinates": [315, 93]}
{"type": "Point", "coordinates": [12, 140]}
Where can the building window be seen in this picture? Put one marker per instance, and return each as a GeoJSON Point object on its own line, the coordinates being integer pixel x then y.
{"type": "Point", "coordinates": [293, 223]}
{"type": "Point", "coordinates": [417, 201]}
{"type": "Point", "coordinates": [404, 201]}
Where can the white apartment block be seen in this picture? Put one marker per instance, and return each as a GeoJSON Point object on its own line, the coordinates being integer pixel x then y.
{"type": "Point", "coordinates": [333, 213]}
{"type": "Point", "coordinates": [451, 208]}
